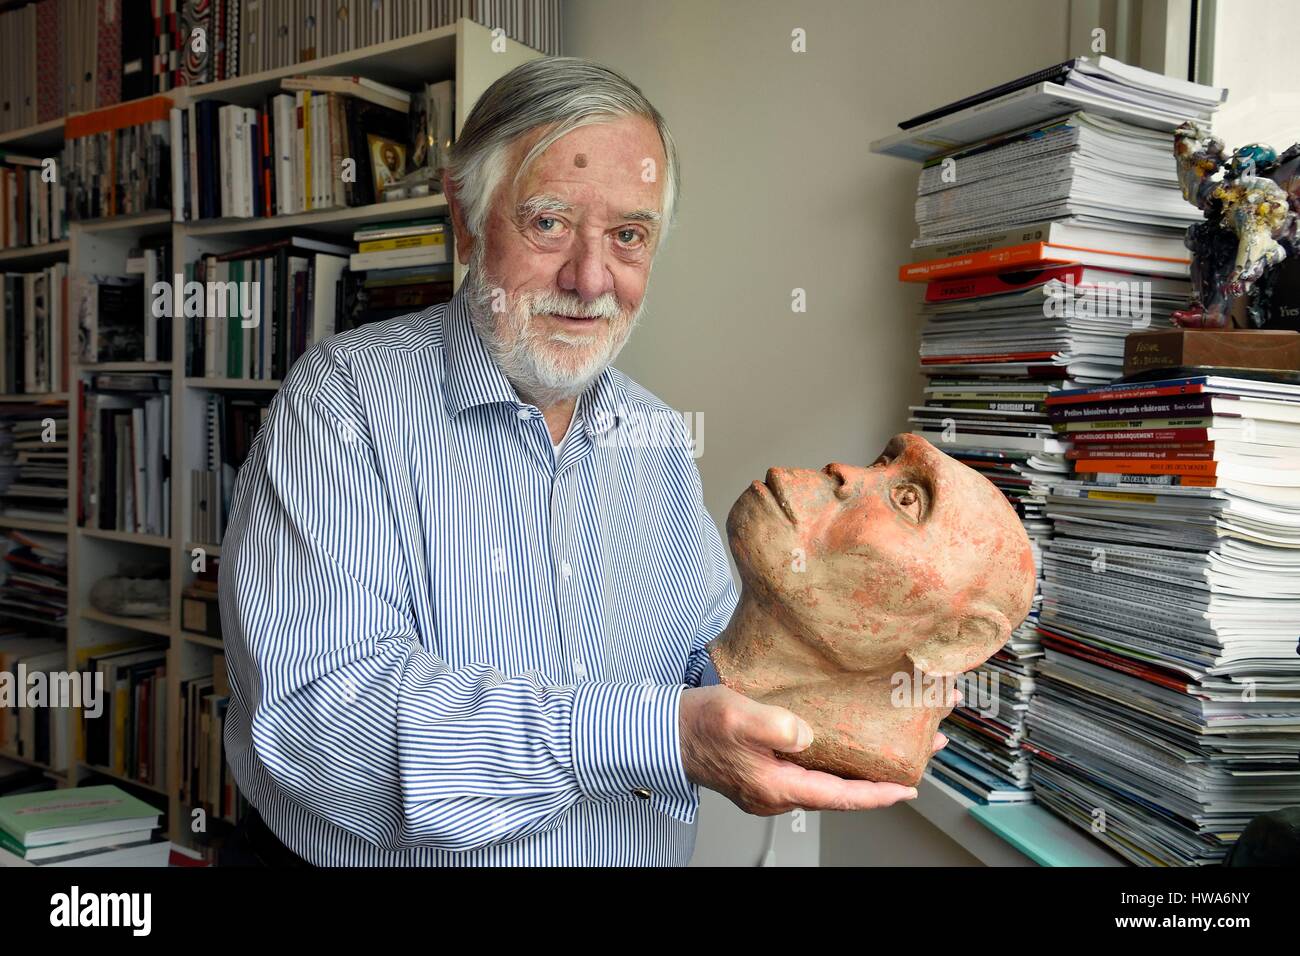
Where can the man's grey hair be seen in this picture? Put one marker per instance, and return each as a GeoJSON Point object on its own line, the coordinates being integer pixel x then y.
{"type": "Point", "coordinates": [561, 92]}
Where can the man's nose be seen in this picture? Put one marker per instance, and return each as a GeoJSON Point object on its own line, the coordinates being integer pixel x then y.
{"type": "Point", "coordinates": [587, 274]}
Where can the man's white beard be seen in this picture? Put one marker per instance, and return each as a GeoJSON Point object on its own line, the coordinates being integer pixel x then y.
{"type": "Point", "coordinates": [544, 367]}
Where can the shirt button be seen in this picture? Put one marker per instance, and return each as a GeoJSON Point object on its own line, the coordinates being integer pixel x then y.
{"type": "Point", "coordinates": [643, 793]}
{"type": "Point", "coordinates": [565, 568]}
{"type": "Point", "coordinates": [524, 414]}
{"type": "Point", "coordinates": [580, 670]}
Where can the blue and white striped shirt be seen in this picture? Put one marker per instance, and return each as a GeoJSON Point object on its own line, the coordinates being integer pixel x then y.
{"type": "Point", "coordinates": [445, 645]}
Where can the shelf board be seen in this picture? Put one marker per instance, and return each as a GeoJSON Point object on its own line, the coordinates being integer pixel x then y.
{"type": "Point", "coordinates": [30, 255]}
{"type": "Point", "coordinates": [125, 367]}
{"type": "Point", "coordinates": [150, 625]}
{"type": "Point", "coordinates": [33, 524]}
{"type": "Point", "coordinates": [38, 138]}
{"type": "Point", "coordinates": [341, 220]}
{"type": "Point", "coordinates": [10, 755]}
{"type": "Point", "coordinates": [121, 778]}
{"type": "Point", "coordinates": [32, 619]}
{"type": "Point", "coordinates": [36, 398]}
{"type": "Point", "coordinates": [234, 384]}
{"type": "Point", "coordinates": [140, 222]}
{"type": "Point", "coordinates": [211, 550]}
{"type": "Point", "coordinates": [950, 811]}
{"type": "Point", "coordinates": [126, 537]}
{"type": "Point", "coordinates": [204, 639]}
{"type": "Point", "coordinates": [408, 61]}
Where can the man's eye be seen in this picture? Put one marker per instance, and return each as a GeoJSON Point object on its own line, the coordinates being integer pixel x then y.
{"type": "Point", "coordinates": [545, 223]}
{"type": "Point", "coordinates": [908, 499]}
{"type": "Point", "coordinates": [629, 237]}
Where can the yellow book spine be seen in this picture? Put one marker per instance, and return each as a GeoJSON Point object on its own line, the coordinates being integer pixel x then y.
{"type": "Point", "coordinates": [405, 242]}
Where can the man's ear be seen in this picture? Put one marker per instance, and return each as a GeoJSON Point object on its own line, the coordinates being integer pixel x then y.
{"type": "Point", "coordinates": [969, 643]}
{"type": "Point", "coordinates": [464, 241]}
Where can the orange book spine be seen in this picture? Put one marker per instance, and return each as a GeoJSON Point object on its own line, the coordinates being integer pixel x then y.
{"type": "Point", "coordinates": [134, 113]}
{"type": "Point", "coordinates": [975, 263]}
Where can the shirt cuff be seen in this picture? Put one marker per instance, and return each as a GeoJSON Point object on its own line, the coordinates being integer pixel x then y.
{"type": "Point", "coordinates": [627, 746]}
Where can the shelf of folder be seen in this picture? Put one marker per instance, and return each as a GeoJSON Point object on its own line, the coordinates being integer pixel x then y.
{"type": "Point", "coordinates": [23, 256]}
{"type": "Point", "coordinates": [337, 220]}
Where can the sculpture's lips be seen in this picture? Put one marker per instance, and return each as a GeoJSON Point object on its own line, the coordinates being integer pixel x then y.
{"type": "Point", "coordinates": [776, 486]}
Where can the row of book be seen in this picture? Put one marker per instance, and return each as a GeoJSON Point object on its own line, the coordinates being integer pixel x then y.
{"type": "Point", "coordinates": [128, 735]}
{"type": "Point", "coordinates": [297, 31]}
{"type": "Point", "coordinates": [1049, 226]}
{"type": "Point", "coordinates": [34, 461]}
{"type": "Point", "coordinates": [93, 826]}
{"type": "Point", "coordinates": [326, 142]}
{"type": "Point", "coordinates": [120, 318]}
{"type": "Point", "coordinates": [124, 447]}
{"type": "Point", "coordinates": [1168, 708]}
{"type": "Point", "coordinates": [33, 729]}
{"type": "Point", "coordinates": [230, 425]}
{"type": "Point", "coordinates": [206, 780]}
{"type": "Point", "coordinates": [117, 161]}
{"type": "Point", "coordinates": [34, 578]}
{"type": "Point", "coordinates": [33, 208]}
{"type": "Point", "coordinates": [34, 332]}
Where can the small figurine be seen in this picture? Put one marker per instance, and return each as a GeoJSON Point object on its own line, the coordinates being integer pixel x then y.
{"type": "Point", "coordinates": [1250, 224]}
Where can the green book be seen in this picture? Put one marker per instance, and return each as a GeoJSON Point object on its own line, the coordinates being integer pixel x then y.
{"type": "Point", "coordinates": [57, 816]}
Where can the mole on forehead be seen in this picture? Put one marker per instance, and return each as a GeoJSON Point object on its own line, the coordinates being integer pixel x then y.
{"type": "Point", "coordinates": [580, 160]}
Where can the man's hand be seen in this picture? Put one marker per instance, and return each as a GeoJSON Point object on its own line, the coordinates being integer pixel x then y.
{"type": "Point", "coordinates": [727, 745]}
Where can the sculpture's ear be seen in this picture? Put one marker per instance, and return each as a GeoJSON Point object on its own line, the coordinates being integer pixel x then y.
{"type": "Point", "coordinates": [975, 638]}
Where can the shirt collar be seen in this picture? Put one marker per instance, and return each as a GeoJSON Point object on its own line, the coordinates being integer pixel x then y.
{"type": "Point", "coordinates": [471, 376]}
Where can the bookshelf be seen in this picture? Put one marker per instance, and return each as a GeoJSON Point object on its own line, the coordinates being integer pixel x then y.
{"type": "Point", "coordinates": [462, 52]}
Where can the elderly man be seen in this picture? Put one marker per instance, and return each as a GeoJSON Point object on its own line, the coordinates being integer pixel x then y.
{"type": "Point", "coordinates": [465, 614]}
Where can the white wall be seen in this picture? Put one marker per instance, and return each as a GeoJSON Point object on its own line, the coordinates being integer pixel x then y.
{"type": "Point", "coordinates": [779, 192]}
{"type": "Point", "coordinates": [1255, 58]}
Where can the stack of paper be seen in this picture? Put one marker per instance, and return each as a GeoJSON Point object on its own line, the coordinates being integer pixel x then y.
{"type": "Point", "coordinates": [1167, 711]}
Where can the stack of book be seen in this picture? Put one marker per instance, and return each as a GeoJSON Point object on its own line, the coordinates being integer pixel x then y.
{"type": "Point", "coordinates": [31, 725]}
{"type": "Point", "coordinates": [127, 736]}
{"type": "Point", "coordinates": [1168, 706]}
{"type": "Point", "coordinates": [34, 577]}
{"type": "Point", "coordinates": [83, 826]}
{"type": "Point", "coordinates": [125, 452]}
{"type": "Point", "coordinates": [34, 331]}
{"type": "Point", "coordinates": [34, 462]}
{"type": "Point", "coordinates": [32, 202]}
{"type": "Point", "coordinates": [399, 267]}
{"type": "Point", "coordinates": [1050, 225]}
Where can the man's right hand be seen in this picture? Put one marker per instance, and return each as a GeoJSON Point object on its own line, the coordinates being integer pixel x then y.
{"type": "Point", "coordinates": [727, 745]}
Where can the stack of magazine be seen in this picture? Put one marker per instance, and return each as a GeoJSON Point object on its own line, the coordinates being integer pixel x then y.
{"type": "Point", "coordinates": [1167, 709]}
{"type": "Point", "coordinates": [1049, 226]}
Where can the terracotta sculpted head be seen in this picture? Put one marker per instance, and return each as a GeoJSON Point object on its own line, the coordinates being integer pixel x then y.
{"type": "Point", "coordinates": [855, 580]}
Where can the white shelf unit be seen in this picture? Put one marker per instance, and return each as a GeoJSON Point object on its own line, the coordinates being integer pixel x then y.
{"type": "Point", "coordinates": [463, 52]}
